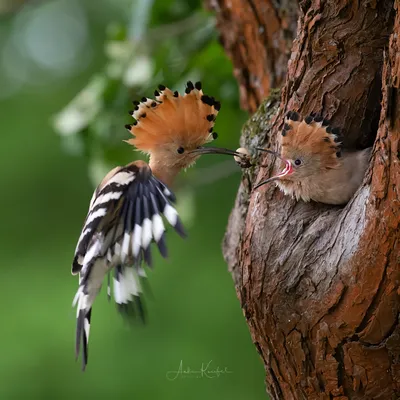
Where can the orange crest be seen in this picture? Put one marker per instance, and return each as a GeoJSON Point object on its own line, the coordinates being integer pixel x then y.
{"type": "Point", "coordinates": [312, 137]}
{"type": "Point", "coordinates": [170, 118]}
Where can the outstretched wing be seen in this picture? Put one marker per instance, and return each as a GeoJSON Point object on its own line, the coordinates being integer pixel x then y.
{"type": "Point", "coordinates": [125, 216]}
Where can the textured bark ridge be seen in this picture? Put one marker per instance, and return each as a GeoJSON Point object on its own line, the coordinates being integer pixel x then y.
{"type": "Point", "coordinates": [257, 36]}
{"type": "Point", "coordinates": [319, 285]}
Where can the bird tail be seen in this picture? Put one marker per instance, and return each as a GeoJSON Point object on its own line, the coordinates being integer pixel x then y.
{"type": "Point", "coordinates": [83, 318]}
{"type": "Point", "coordinates": [128, 286]}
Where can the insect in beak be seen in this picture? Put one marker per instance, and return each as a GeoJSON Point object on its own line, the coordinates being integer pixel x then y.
{"type": "Point", "coordinates": [286, 171]}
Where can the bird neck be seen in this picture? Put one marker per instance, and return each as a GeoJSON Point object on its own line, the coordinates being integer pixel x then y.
{"type": "Point", "coordinates": [164, 174]}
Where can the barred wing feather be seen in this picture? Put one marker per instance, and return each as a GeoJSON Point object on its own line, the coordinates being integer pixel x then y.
{"type": "Point", "coordinates": [125, 216]}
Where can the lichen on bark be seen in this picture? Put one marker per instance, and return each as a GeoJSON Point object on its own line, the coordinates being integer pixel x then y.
{"type": "Point", "coordinates": [255, 133]}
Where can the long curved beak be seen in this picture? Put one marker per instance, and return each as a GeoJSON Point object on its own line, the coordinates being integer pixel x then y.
{"type": "Point", "coordinates": [287, 170]}
{"type": "Point", "coordinates": [215, 150]}
{"type": "Point", "coordinates": [270, 152]}
{"type": "Point", "coordinates": [274, 178]}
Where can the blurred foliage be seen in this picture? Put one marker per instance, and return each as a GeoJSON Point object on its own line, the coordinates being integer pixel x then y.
{"type": "Point", "coordinates": [67, 67]}
{"type": "Point", "coordinates": [166, 42]}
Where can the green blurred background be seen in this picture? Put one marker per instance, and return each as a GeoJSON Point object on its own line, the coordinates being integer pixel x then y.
{"type": "Point", "coordinates": [68, 72]}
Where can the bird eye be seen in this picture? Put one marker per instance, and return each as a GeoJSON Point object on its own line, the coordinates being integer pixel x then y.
{"type": "Point", "coordinates": [297, 162]}
{"type": "Point", "coordinates": [180, 150]}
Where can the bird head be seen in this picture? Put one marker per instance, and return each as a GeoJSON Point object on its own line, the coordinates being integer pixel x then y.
{"type": "Point", "coordinates": [173, 129]}
{"type": "Point", "coordinates": [308, 147]}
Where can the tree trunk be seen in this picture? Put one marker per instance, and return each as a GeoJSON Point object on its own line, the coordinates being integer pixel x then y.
{"type": "Point", "coordinates": [318, 284]}
{"type": "Point", "coordinates": [257, 36]}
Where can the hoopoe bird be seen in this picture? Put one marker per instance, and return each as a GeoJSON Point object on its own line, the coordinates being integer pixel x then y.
{"type": "Point", "coordinates": [126, 210]}
{"type": "Point", "coordinates": [316, 168]}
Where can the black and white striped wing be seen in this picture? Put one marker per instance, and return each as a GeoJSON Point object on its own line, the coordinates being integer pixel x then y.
{"type": "Point", "coordinates": [124, 217]}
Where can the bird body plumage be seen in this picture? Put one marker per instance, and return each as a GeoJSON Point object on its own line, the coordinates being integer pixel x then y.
{"type": "Point", "coordinates": [127, 209]}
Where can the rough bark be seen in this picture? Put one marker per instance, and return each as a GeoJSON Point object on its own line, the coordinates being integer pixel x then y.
{"type": "Point", "coordinates": [319, 285]}
{"type": "Point", "coordinates": [257, 35]}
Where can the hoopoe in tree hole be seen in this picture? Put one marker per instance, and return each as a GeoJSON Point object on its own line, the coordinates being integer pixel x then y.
{"type": "Point", "coordinates": [125, 213]}
{"type": "Point", "coordinates": [316, 168]}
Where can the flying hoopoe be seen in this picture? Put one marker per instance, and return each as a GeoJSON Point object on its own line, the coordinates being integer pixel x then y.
{"type": "Point", "coordinates": [315, 166]}
{"type": "Point", "coordinates": [125, 213]}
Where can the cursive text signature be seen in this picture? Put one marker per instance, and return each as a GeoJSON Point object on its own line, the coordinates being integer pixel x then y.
{"type": "Point", "coordinates": [206, 371]}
